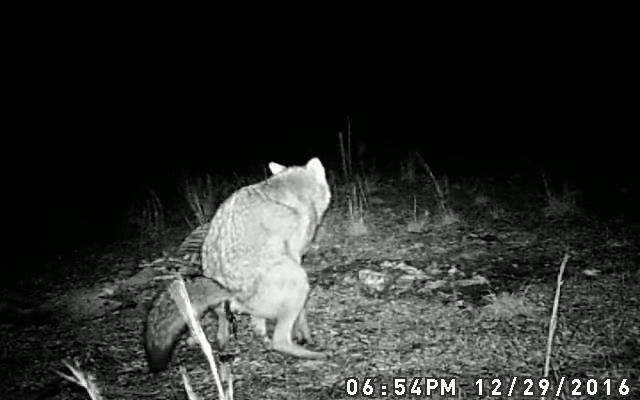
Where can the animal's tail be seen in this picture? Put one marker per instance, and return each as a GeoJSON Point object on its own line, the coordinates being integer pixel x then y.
{"type": "Point", "coordinates": [165, 323]}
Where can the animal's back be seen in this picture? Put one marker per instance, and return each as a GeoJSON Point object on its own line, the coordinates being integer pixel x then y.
{"type": "Point", "coordinates": [262, 223]}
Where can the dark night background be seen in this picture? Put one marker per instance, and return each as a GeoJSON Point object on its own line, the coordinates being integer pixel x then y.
{"type": "Point", "coordinates": [88, 132]}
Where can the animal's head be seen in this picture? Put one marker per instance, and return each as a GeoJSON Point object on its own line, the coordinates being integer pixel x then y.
{"type": "Point", "coordinates": [310, 180]}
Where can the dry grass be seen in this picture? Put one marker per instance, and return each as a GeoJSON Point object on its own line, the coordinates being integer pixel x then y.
{"type": "Point", "coordinates": [357, 207]}
{"type": "Point", "coordinates": [506, 306]}
{"type": "Point", "coordinates": [148, 217]}
{"type": "Point", "coordinates": [355, 189]}
{"type": "Point", "coordinates": [82, 379]}
{"type": "Point", "coordinates": [202, 195]}
{"type": "Point", "coordinates": [563, 204]}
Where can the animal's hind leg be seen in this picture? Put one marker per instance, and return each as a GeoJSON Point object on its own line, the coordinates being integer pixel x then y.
{"type": "Point", "coordinates": [282, 296]}
{"type": "Point", "coordinates": [260, 328]}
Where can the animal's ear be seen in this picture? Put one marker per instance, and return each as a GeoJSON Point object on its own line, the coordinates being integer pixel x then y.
{"type": "Point", "coordinates": [315, 166]}
{"type": "Point", "coordinates": [276, 168]}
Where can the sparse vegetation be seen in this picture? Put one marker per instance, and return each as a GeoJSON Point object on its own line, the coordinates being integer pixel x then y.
{"type": "Point", "coordinates": [497, 213]}
{"type": "Point", "coordinates": [202, 197]}
{"type": "Point", "coordinates": [560, 205]}
{"type": "Point", "coordinates": [507, 306]}
{"type": "Point", "coordinates": [354, 189]}
{"type": "Point", "coordinates": [444, 215]}
{"type": "Point", "coordinates": [442, 198]}
{"type": "Point", "coordinates": [408, 169]}
{"type": "Point", "coordinates": [82, 379]}
{"type": "Point", "coordinates": [420, 220]}
{"type": "Point", "coordinates": [357, 206]}
{"type": "Point", "coordinates": [147, 217]}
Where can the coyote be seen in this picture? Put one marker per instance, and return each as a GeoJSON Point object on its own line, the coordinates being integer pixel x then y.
{"type": "Point", "coordinates": [251, 257]}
